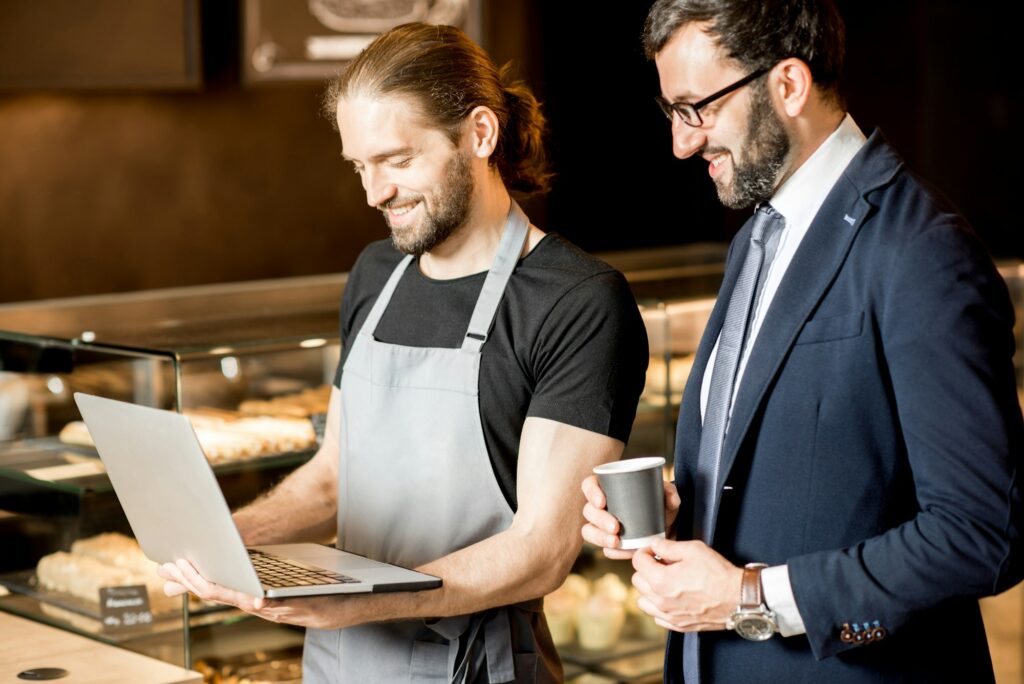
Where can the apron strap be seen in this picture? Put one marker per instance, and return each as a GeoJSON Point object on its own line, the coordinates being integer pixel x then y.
{"type": "Point", "coordinates": [384, 298]}
{"type": "Point", "coordinates": [513, 238]}
{"type": "Point", "coordinates": [511, 246]}
{"type": "Point", "coordinates": [497, 643]}
{"type": "Point", "coordinates": [498, 640]}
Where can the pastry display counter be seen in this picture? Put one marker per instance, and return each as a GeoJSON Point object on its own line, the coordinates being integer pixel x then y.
{"type": "Point", "coordinates": [674, 328]}
{"type": "Point", "coordinates": [250, 365]}
{"type": "Point", "coordinates": [236, 358]}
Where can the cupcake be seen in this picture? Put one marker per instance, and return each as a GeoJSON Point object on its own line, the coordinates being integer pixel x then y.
{"type": "Point", "coordinates": [561, 605]}
{"type": "Point", "coordinates": [599, 622]}
{"type": "Point", "coordinates": [612, 587]}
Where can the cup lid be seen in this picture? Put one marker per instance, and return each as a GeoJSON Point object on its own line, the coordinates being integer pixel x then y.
{"type": "Point", "coordinates": [629, 465]}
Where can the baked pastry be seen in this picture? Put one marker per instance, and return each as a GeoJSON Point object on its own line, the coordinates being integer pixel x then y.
{"type": "Point", "coordinates": [599, 622]}
{"type": "Point", "coordinates": [301, 405]}
{"type": "Point", "coordinates": [80, 576]}
{"type": "Point", "coordinates": [226, 436]}
{"type": "Point", "coordinates": [244, 671]}
{"type": "Point", "coordinates": [277, 434]}
{"type": "Point", "coordinates": [107, 560]}
{"type": "Point", "coordinates": [115, 549]}
{"type": "Point", "coordinates": [222, 447]}
{"type": "Point", "coordinates": [76, 433]}
{"type": "Point", "coordinates": [561, 606]}
{"type": "Point", "coordinates": [611, 586]}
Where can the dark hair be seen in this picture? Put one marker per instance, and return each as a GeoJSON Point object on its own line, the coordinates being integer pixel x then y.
{"type": "Point", "coordinates": [448, 75]}
{"type": "Point", "coordinates": [760, 33]}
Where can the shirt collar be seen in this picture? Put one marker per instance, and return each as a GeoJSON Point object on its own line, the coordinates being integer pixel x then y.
{"type": "Point", "coordinates": [803, 193]}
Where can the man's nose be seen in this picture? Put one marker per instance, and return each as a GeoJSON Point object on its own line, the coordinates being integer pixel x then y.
{"type": "Point", "coordinates": [378, 188]}
{"type": "Point", "coordinates": [686, 139]}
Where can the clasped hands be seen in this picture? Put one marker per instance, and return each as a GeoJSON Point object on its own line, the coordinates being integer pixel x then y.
{"type": "Point", "coordinates": [686, 586]}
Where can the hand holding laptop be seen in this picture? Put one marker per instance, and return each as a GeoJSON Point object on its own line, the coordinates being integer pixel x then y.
{"type": "Point", "coordinates": [318, 612]}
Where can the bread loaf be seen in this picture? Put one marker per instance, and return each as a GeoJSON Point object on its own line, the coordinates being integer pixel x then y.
{"type": "Point", "coordinates": [226, 436]}
{"type": "Point", "coordinates": [107, 560]}
{"type": "Point", "coordinates": [302, 404]}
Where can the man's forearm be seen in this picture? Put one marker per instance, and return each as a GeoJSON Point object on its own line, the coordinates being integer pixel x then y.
{"type": "Point", "coordinates": [302, 508]}
{"type": "Point", "coordinates": [512, 566]}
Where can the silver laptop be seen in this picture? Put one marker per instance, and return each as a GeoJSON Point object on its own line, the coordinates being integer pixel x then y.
{"type": "Point", "coordinates": [176, 510]}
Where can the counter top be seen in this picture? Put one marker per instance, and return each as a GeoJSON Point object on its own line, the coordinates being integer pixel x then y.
{"type": "Point", "coordinates": [25, 645]}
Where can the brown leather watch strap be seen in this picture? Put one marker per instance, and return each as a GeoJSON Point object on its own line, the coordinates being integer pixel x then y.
{"type": "Point", "coordinates": [750, 587]}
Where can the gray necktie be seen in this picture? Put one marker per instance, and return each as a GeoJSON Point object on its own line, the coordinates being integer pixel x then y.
{"type": "Point", "coordinates": [731, 341]}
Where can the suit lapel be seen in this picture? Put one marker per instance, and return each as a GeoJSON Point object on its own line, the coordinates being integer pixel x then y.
{"type": "Point", "coordinates": [815, 266]}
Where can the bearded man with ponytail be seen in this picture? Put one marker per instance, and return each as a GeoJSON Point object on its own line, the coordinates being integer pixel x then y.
{"type": "Point", "coordinates": [487, 367]}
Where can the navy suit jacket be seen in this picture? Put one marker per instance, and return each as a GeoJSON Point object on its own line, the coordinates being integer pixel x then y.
{"type": "Point", "coordinates": [874, 444]}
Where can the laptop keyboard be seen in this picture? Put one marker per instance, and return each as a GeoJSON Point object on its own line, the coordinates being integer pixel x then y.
{"type": "Point", "coordinates": [277, 572]}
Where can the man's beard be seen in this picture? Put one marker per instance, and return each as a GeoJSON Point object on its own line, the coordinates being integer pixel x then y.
{"type": "Point", "coordinates": [451, 203]}
{"type": "Point", "coordinates": [764, 155]}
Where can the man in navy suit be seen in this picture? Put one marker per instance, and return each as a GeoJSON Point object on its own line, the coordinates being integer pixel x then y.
{"type": "Point", "coordinates": [849, 481]}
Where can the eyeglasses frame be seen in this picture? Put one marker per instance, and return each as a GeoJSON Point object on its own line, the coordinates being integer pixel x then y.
{"type": "Point", "coordinates": [671, 108]}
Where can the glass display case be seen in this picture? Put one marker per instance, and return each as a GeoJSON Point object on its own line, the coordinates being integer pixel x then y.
{"type": "Point", "coordinates": [243, 352]}
{"type": "Point", "coordinates": [228, 356]}
{"type": "Point", "coordinates": [225, 355]}
{"type": "Point", "coordinates": [250, 364]}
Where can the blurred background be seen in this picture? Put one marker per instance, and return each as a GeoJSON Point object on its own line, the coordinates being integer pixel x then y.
{"type": "Point", "coordinates": [163, 143]}
{"type": "Point", "coordinates": [158, 143]}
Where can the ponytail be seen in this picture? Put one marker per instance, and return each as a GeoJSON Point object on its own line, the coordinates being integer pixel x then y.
{"type": "Point", "coordinates": [520, 155]}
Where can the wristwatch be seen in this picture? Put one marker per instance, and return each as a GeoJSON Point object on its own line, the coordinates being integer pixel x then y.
{"type": "Point", "coordinates": [752, 620]}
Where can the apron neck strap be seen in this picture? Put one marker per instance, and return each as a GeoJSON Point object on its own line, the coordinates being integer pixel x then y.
{"type": "Point", "coordinates": [511, 246]}
{"type": "Point", "coordinates": [517, 226]}
{"type": "Point", "coordinates": [384, 298]}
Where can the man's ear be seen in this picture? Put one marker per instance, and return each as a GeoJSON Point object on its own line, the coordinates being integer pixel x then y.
{"type": "Point", "coordinates": [482, 124]}
{"type": "Point", "coordinates": [791, 83]}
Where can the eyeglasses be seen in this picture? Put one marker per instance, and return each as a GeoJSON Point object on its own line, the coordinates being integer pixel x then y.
{"type": "Point", "coordinates": [690, 113]}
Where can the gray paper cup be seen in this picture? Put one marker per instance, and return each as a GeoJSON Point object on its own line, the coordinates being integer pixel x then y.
{"type": "Point", "coordinates": [636, 496]}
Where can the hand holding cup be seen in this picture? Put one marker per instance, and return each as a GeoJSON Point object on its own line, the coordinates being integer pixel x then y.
{"type": "Point", "coordinates": [628, 505]}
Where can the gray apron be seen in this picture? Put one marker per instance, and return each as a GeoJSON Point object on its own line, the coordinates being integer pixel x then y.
{"type": "Point", "coordinates": [415, 483]}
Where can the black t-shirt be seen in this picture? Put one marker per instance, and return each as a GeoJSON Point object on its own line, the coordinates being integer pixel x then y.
{"type": "Point", "coordinates": [567, 343]}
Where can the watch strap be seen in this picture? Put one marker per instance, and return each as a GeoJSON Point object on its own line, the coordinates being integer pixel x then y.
{"type": "Point", "coordinates": [751, 595]}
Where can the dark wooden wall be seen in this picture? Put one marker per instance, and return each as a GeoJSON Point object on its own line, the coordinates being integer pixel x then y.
{"type": "Point", "coordinates": [116, 191]}
{"type": "Point", "coordinates": [939, 77]}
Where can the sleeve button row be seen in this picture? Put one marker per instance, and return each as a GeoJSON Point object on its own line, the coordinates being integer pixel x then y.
{"type": "Point", "coordinates": [862, 633]}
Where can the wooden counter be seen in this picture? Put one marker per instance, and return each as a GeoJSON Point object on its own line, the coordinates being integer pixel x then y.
{"type": "Point", "coordinates": [25, 644]}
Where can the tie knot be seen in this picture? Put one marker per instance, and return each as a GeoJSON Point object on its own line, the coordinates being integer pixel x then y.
{"type": "Point", "coordinates": [766, 222]}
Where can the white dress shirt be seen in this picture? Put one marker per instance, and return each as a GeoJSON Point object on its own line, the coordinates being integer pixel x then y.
{"type": "Point", "coordinates": [798, 200]}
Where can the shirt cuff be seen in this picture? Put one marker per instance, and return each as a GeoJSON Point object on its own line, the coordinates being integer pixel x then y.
{"type": "Point", "coordinates": [778, 596]}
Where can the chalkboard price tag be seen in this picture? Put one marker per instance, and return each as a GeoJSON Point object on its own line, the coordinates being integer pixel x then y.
{"type": "Point", "coordinates": [125, 607]}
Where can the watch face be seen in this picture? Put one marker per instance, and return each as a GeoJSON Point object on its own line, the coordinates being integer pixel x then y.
{"type": "Point", "coordinates": [755, 627]}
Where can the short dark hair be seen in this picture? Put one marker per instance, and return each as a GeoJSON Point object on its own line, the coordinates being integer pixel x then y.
{"type": "Point", "coordinates": [448, 75]}
{"type": "Point", "coordinates": [760, 33]}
